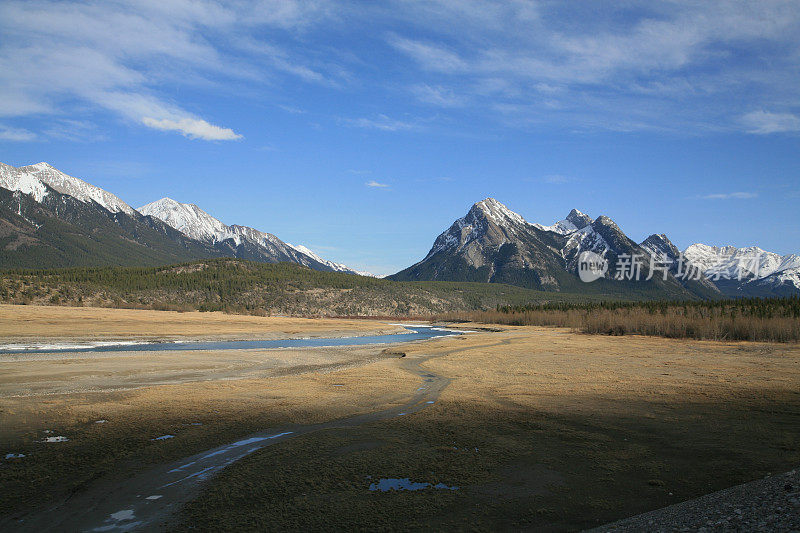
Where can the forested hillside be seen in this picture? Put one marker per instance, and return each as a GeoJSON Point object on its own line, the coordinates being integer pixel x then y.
{"type": "Point", "coordinates": [246, 287]}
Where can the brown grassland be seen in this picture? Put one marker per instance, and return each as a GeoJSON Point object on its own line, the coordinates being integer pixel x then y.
{"type": "Point", "coordinates": [539, 427]}
{"type": "Point", "coordinates": [746, 319]}
{"type": "Point", "coordinates": [41, 322]}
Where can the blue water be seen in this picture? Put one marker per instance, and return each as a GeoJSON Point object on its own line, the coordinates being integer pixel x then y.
{"type": "Point", "coordinates": [415, 333]}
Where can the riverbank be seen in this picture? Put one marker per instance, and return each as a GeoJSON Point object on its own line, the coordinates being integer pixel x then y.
{"type": "Point", "coordinates": [34, 323]}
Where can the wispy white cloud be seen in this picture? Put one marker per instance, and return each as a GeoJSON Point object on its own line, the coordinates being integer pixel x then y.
{"type": "Point", "coordinates": [439, 96]}
{"type": "Point", "coordinates": [16, 134]}
{"type": "Point", "coordinates": [373, 183]}
{"type": "Point", "coordinates": [116, 55]}
{"type": "Point", "coordinates": [680, 66]}
{"type": "Point", "coordinates": [380, 122]}
{"type": "Point", "coordinates": [730, 196]}
{"type": "Point", "coordinates": [764, 122]}
{"type": "Point", "coordinates": [192, 128]}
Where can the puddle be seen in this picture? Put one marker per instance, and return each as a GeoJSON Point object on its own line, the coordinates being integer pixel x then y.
{"type": "Point", "coordinates": [391, 483]}
{"type": "Point", "coordinates": [119, 516]}
{"type": "Point", "coordinates": [15, 455]}
{"type": "Point", "coordinates": [153, 497]}
{"type": "Point", "coordinates": [100, 421]}
{"type": "Point", "coordinates": [164, 437]}
{"type": "Point", "coordinates": [60, 438]}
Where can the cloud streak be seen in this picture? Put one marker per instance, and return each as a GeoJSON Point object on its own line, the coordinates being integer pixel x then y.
{"type": "Point", "coordinates": [764, 122]}
{"type": "Point", "coordinates": [192, 128]}
{"type": "Point", "coordinates": [381, 122]}
{"type": "Point", "coordinates": [375, 184]}
{"type": "Point", "coordinates": [730, 196]}
{"type": "Point", "coordinates": [16, 134]}
{"type": "Point", "coordinates": [685, 67]}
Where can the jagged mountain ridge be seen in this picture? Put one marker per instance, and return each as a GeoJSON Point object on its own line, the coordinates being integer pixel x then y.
{"type": "Point", "coordinates": [61, 231]}
{"type": "Point", "coordinates": [748, 271]}
{"type": "Point", "coordinates": [193, 234]}
{"type": "Point", "coordinates": [240, 241]}
{"type": "Point", "coordinates": [492, 243]}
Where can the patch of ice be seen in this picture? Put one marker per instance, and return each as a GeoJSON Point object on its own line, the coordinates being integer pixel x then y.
{"type": "Point", "coordinates": [60, 438]}
{"type": "Point", "coordinates": [120, 516]}
{"type": "Point", "coordinates": [251, 440]}
{"type": "Point", "coordinates": [164, 437]}
{"type": "Point", "coordinates": [153, 497]}
{"type": "Point", "coordinates": [100, 421]}
{"type": "Point", "coordinates": [38, 347]}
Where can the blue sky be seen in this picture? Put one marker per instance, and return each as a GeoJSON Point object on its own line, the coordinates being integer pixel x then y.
{"type": "Point", "coordinates": [362, 129]}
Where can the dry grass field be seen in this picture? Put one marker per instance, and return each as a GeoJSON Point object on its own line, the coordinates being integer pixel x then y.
{"type": "Point", "coordinates": [36, 323]}
{"type": "Point", "coordinates": [539, 427]}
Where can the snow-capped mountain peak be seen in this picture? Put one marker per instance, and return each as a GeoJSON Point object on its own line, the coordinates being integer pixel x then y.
{"type": "Point", "coordinates": [188, 219]}
{"type": "Point", "coordinates": [336, 267]}
{"type": "Point", "coordinates": [14, 179]}
{"type": "Point", "coordinates": [575, 221]}
{"type": "Point", "coordinates": [247, 242]}
{"type": "Point", "coordinates": [497, 212]}
{"type": "Point", "coordinates": [748, 262]}
{"type": "Point", "coordinates": [578, 219]}
{"type": "Point", "coordinates": [75, 187]}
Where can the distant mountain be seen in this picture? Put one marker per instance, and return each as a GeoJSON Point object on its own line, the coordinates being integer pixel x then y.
{"type": "Point", "coordinates": [50, 219]}
{"type": "Point", "coordinates": [659, 246]}
{"type": "Point", "coordinates": [747, 271]}
{"type": "Point", "coordinates": [58, 230]}
{"type": "Point", "coordinates": [76, 188]}
{"type": "Point", "coordinates": [237, 241]}
{"type": "Point", "coordinates": [494, 244]}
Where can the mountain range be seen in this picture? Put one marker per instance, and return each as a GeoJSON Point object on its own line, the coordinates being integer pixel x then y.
{"type": "Point", "coordinates": [491, 243]}
{"type": "Point", "coordinates": [49, 219]}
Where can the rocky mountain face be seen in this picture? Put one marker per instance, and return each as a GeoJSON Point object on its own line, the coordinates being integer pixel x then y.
{"type": "Point", "coordinates": [238, 241]}
{"type": "Point", "coordinates": [494, 244]}
{"type": "Point", "coordinates": [59, 231]}
{"type": "Point", "coordinates": [51, 219]}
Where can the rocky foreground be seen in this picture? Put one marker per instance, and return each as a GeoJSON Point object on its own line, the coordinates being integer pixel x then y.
{"type": "Point", "coordinates": [769, 504]}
